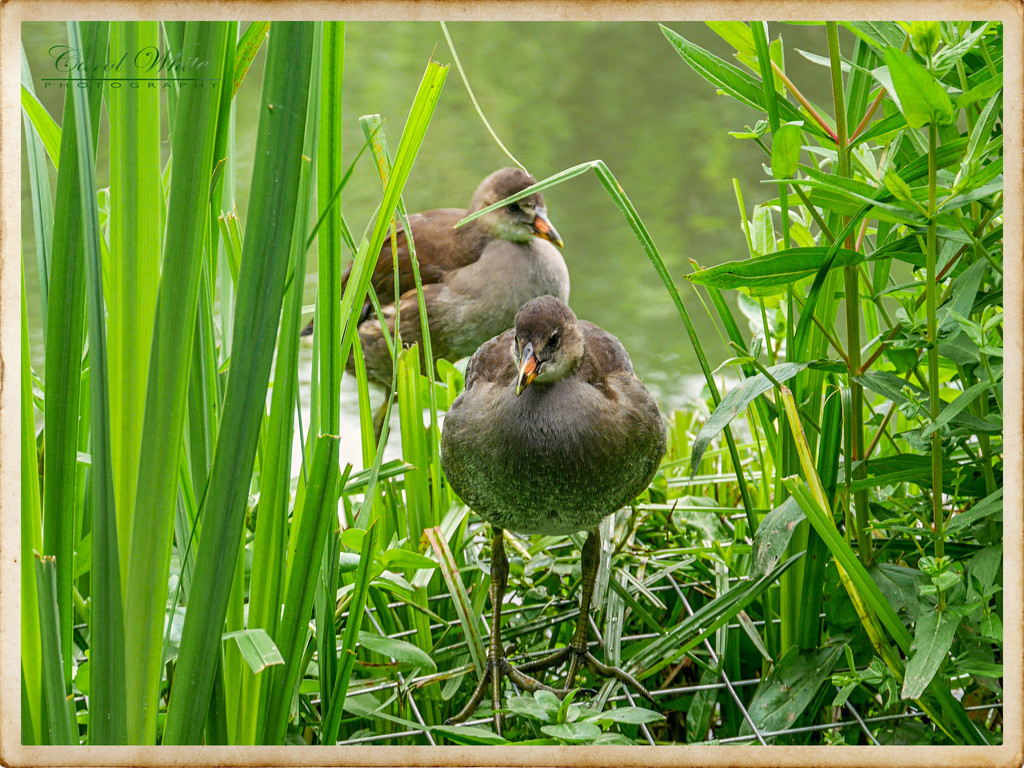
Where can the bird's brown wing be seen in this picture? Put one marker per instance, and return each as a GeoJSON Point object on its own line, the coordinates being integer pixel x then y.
{"type": "Point", "coordinates": [603, 355]}
{"type": "Point", "coordinates": [439, 249]}
{"type": "Point", "coordinates": [491, 363]}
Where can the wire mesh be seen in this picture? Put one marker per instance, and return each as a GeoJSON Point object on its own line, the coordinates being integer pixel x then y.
{"type": "Point", "coordinates": [557, 610]}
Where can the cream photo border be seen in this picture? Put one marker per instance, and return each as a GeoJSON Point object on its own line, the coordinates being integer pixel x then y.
{"type": "Point", "coordinates": [14, 12]}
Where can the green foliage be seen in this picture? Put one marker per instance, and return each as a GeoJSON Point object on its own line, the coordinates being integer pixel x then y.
{"type": "Point", "coordinates": [825, 532]}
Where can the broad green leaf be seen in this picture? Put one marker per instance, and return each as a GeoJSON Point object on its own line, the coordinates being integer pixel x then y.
{"type": "Point", "coordinates": [735, 402]}
{"type": "Point", "coordinates": [786, 145]}
{"type": "Point", "coordinates": [399, 650]}
{"type": "Point", "coordinates": [790, 686]}
{"type": "Point", "coordinates": [991, 505]}
{"type": "Point", "coordinates": [773, 536]}
{"type": "Point", "coordinates": [925, 36]}
{"type": "Point", "coordinates": [773, 272]}
{"type": "Point", "coordinates": [256, 648]}
{"type": "Point", "coordinates": [735, 33]}
{"type": "Point", "coordinates": [630, 715]}
{"type": "Point", "coordinates": [933, 637]}
{"type": "Point", "coordinates": [955, 408]}
{"type": "Point", "coordinates": [403, 558]}
{"type": "Point", "coordinates": [880, 34]}
{"type": "Point", "coordinates": [763, 231]}
{"type": "Point", "coordinates": [922, 99]}
{"type": "Point", "coordinates": [576, 732]}
{"type": "Point", "coordinates": [732, 80]}
{"type": "Point", "coordinates": [470, 734]}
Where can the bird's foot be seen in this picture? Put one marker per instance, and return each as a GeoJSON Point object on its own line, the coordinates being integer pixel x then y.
{"type": "Point", "coordinates": [496, 668]}
{"type": "Point", "coordinates": [581, 656]}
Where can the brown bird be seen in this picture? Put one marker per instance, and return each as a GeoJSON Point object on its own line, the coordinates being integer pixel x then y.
{"type": "Point", "coordinates": [474, 278]}
{"type": "Point", "coordinates": [553, 433]}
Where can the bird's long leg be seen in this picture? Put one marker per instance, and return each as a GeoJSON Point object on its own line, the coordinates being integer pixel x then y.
{"type": "Point", "coordinates": [499, 581]}
{"type": "Point", "coordinates": [576, 651]}
{"type": "Point", "coordinates": [497, 663]}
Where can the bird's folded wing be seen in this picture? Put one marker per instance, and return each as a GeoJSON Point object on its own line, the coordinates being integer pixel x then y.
{"type": "Point", "coordinates": [492, 363]}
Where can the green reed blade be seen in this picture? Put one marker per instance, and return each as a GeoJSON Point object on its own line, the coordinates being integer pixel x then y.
{"type": "Point", "coordinates": [361, 587]}
{"type": "Point", "coordinates": [270, 540]}
{"type": "Point", "coordinates": [65, 325]}
{"type": "Point", "coordinates": [133, 269]}
{"type": "Point", "coordinates": [163, 422]}
{"type": "Point", "coordinates": [319, 514]}
{"type": "Point", "coordinates": [273, 200]}
{"type": "Point", "coordinates": [38, 122]}
{"type": "Point", "coordinates": [58, 718]}
{"type": "Point", "coordinates": [106, 630]}
{"type": "Point", "coordinates": [33, 724]}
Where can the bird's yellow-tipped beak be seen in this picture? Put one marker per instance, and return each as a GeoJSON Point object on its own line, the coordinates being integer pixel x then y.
{"type": "Point", "coordinates": [543, 227]}
{"type": "Point", "coordinates": [527, 369]}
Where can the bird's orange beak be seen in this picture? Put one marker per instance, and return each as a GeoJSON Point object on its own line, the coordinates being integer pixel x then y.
{"type": "Point", "coordinates": [543, 228]}
{"type": "Point", "coordinates": [527, 369]}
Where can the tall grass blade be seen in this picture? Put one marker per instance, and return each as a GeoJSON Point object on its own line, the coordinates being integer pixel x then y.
{"type": "Point", "coordinates": [335, 707]}
{"type": "Point", "coordinates": [106, 630]}
{"type": "Point", "coordinates": [58, 719]}
{"type": "Point", "coordinates": [330, 173]}
{"type": "Point", "coordinates": [270, 542]}
{"type": "Point", "coordinates": [271, 218]}
{"type": "Point", "coordinates": [163, 422]}
{"type": "Point", "coordinates": [133, 269]}
{"type": "Point", "coordinates": [319, 514]}
{"type": "Point", "coordinates": [39, 179]}
{"type": "Point", "coordinates": [62, 370]}
{"type": "Point", "coordinates": [33, 724]}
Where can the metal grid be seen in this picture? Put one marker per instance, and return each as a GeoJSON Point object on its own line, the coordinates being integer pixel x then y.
{"type": "Point", "coordinates": [568, 609]}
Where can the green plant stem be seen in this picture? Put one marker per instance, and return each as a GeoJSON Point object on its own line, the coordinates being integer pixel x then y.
{"type": "Point", "coordinates": [804, 102]}
{"type": "Point", "coordinates": [933, 346]}
{"type": "Point", "coordinates": [852, 301]}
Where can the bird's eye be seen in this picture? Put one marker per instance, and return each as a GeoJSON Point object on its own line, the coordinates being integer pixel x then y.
{"type": "Point", "coordinates": [512, 207]}
{"type": "Point", "coordinates": [554, 339]}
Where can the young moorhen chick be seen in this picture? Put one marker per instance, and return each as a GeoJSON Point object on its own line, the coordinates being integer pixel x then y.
{"type": "Point", "coordinates": [474, 278]}
{"type": "Point", "coordinates": [553, 433]}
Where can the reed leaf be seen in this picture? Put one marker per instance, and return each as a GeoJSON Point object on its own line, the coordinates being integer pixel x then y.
{"type": "Point", "coordinates": [163, 422]}
{"type": "Point", "coordinates": [133, 269]}
{"type": "Point", "coordinates": [273, 201]}
{"type": "Point", "coordinates": [38, 122]}
{"type": "Point", "coordinates": [319, 514]}
{"type": "Point", "coordinates": [270, 541]}
{"type": "Point", "coordinates": [361, 588]}
{"type": "Point", "coordinates": [33, 722]}
{"type": "Point", "coordinates": [64, 338]}
{"type": "Point", "coordinates": [58, 718]}
{"type": "Point", "coordinates": [106, 636]}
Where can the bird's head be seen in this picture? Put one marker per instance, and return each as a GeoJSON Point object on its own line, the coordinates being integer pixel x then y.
{"type": "Point", "coordinates": [548, 343]}
{"type": "Point", "coordinates": [519, 221]}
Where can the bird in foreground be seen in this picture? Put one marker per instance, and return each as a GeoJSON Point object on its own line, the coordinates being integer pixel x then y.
{"type": "Point", "coordinates": [474, 277]}
{"type": "Point", "coordinates": [552, 433]}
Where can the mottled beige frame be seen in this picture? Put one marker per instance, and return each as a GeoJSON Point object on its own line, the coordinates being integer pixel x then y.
{"type": "Point", "coordinates": [13, 12]}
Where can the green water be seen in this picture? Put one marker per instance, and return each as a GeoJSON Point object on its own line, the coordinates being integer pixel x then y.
{"type": "Point", "coordinates": [557, 94]}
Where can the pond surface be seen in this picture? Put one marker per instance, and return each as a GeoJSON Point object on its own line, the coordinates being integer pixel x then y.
{"type": "Point", "coordinates": [557, 94]}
